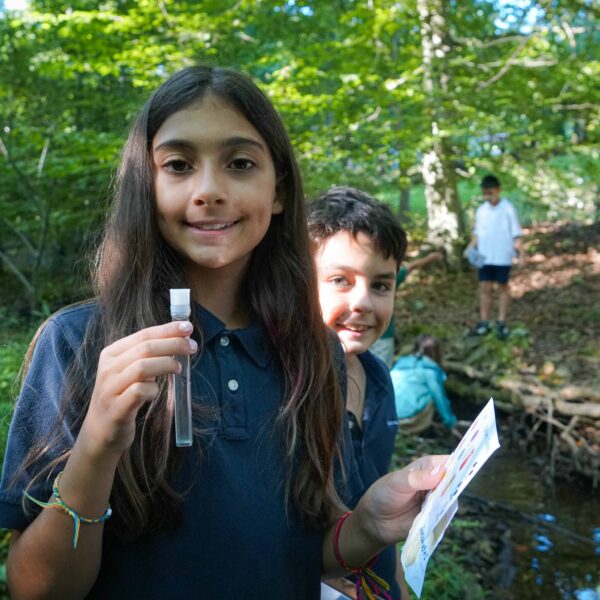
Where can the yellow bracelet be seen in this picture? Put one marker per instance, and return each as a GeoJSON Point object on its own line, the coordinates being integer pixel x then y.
{"type": "Point", "coordinates": [60, 504]}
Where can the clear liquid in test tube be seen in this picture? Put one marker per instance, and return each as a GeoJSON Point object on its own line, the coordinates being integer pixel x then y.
{"type": "Point", "coordinates": [181, 386]}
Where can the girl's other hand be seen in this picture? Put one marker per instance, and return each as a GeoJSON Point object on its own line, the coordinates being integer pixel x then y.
{"type": "Point", "coordinates": [126, 379]}
{"type": "Point", "coordinates": [390, 505]}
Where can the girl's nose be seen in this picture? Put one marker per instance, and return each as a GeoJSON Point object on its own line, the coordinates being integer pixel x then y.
{"type": "Point", "coordinates": [209, 187]}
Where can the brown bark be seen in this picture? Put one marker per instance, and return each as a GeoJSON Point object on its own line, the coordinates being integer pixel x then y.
{"type": "Point", "coordinates": [444, 212]}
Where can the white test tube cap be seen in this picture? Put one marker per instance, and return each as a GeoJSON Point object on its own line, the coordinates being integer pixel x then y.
{"type": "Point", "coordinates": [180, 303]}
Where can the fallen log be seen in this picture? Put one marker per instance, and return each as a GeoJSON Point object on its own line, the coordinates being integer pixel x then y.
{"type": "Point", "coordinates": [580, 409]}
{"type": "Point", "coordinates": [565, 443]}
{"type": "Point", "coordinates": [576, 392]}
{"type": "Point", "coordinates": [507, 390]}
{"type": "Point", "coordinates": [474, 391]}
{"type": "Point", "coordinates": [467, 370]}
{"type": "Point", "coordinates": [519, 386]}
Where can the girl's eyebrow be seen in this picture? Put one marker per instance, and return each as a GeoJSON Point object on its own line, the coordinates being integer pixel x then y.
{"type": "Point", "coordinates": [182, 144]}
{"type": "Point", "coordinates": [175, 145]}
{"type": "Point", "coordinates": [242, 141]}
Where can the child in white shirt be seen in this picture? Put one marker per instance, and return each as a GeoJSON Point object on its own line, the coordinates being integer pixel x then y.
{"type": "Point", "coordinates": [496, 236]}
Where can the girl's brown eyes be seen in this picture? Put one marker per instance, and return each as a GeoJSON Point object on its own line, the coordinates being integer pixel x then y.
{"type": "Point", "coordinates": [182, 166]}
{"type": "Point", "coordinates": [241, 164]}
{"type": "Point", "coordinates": [177, 166]}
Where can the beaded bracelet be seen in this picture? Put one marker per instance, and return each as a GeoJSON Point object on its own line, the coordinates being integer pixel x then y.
{"type": "Point", "coordinates": [368, 584]}
{"type": "Point", "coordinates": [60, 504]}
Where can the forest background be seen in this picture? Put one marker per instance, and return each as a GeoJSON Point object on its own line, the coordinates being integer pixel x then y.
{"type": "Point", "coordinates": [413, 101]}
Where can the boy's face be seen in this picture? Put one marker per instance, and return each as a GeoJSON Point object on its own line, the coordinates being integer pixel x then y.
{"type": "Point", "coordinates": [492, 195]}
{"type": "Point", "coordinates": [356, 289]}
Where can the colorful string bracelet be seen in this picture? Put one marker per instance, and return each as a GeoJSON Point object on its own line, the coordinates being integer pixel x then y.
{"type": "Point", "coordinates": [369, 586]}
{"type": "Point", "coordinates": [61, 505]}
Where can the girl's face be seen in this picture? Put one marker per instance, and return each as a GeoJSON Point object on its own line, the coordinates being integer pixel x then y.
{"type": "Point", "coordinates": [215, 187]}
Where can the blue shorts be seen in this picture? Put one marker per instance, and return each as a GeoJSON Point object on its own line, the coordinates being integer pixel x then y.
{"type": "Point", "coordinates": [494, 273]}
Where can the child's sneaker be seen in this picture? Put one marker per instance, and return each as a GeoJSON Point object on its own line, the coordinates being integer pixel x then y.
{"type": "Point", "coordinates": [482, 328]}
{"type": "Point", "coordinates": [502, 330]}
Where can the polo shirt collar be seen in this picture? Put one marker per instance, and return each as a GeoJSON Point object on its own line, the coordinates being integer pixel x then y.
{"type": "Point", "coordinates": [374, 370]}
{"type": "Point", "coordinates": [251, 338]}
{"type": "Point", "coordinates": [376, 384]}
{"type": "Point", "coordinates": [254, 342]}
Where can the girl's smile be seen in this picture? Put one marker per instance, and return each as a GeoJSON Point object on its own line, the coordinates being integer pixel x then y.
{"type": "Point", "coordinates": [353, 329]}
{"type": "Point", "coordinates": [215, 186]}
{"type": "Point", "coordinates": [211, 228]}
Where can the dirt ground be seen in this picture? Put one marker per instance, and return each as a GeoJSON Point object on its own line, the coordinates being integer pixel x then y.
{"type": "Point", "coordinates": [554, 316]}
{"type": "Point", "coordinates": [555, 338]}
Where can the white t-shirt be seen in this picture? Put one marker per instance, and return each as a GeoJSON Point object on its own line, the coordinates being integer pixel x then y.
{"type": "Point", "coordinates": [496, 228]}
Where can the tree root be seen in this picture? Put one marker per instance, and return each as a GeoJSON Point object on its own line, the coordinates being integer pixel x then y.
{"type": "Point", "coordinates": [566, 420]}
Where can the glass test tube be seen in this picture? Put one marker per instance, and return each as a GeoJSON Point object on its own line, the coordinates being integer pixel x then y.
{"type": "Point", "coordinates": [181, 382]}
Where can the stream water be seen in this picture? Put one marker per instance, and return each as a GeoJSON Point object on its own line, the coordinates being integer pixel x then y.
{"type": "Point", "coordinates": [555, 531]}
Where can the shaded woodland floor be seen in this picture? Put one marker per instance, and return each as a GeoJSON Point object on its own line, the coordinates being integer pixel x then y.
{"type": "Point", "coordinates": [554, 346]}
{"type": "Point", "coordinates": [554, 316]}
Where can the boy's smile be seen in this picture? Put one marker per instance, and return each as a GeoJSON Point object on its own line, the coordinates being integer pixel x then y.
{"type": "Point", "coordinates": [356, 289]}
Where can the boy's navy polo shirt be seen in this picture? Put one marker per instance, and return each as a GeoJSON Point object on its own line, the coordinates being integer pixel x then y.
{"type": "Point", "coordinates": [374, 442]}
{"type": "Point", "coordinates": [237, 539]}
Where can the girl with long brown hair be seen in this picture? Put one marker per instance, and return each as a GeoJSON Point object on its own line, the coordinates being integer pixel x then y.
{"type": "Point", "coordinates": [209, 197]}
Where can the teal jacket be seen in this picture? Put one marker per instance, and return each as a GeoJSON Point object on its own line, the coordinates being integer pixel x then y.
{"type": "Point", "coordinates": [417, 381]}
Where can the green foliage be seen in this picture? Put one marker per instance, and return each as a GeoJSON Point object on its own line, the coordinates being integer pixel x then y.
{"type": "Point", "coordinates": [14, 341]}
{"type": "Point", "coordinates": [497, 354]}
{"type": "Point", "coordinates": [448, 575]}
{"type": "Point", "coordinates": [521, 100]}
{"type": "Point", "coordinates": [13, 345]}
{"type": "Point", "coordinates": [4, 542]}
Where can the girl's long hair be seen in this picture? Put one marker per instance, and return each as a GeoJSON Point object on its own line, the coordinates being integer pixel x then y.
{"type": "Point", "coordinates": [133, 272]}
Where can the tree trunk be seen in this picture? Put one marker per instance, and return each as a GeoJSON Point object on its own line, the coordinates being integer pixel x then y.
{"type": "Point", "coordinates": [445, 219]}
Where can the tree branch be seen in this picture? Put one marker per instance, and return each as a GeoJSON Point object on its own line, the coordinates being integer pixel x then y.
{"type": "Point", "coordinates": [506, 66]}
{"type": "Point", "coordinates": [584, 106]}
{"type": "Point", "coordinates": [17, 272]}
{"type": "Point", "coordinates": [476, 43]}
{"type": "Point", "coordinates": [23, 180]}
{"type": "Point", "coordinates": [42, 160]}
{"type": "Point", "coordinates": [24, 240]}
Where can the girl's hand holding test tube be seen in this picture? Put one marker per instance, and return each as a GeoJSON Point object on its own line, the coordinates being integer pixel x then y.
{"type": "Point", "coordinates": [126, 379]}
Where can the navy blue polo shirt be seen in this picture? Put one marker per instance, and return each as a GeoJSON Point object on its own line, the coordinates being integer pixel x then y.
{"type": "Point", "coordinates": [237, 540]}
{"type": "Point", "coordinates": [373, 443]}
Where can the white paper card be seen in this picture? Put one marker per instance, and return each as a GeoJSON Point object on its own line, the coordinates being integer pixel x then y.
{"type": "Point", "coordinates": [440, 505]}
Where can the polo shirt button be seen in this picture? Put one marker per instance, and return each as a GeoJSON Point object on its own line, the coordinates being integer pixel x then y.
{"type": "Point", "coordinates": [224, 341]}
{"type": "Point", "coordinates": [233, 385]}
